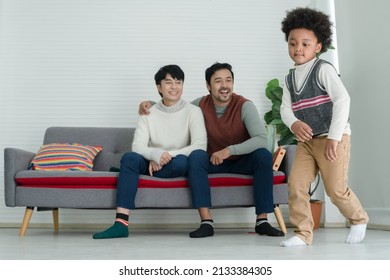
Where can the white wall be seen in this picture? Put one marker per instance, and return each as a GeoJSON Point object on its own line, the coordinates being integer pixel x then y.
{"type": "Point", "coordinates": [364, 55]}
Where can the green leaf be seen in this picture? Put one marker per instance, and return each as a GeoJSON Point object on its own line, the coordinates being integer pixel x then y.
{"type": "Point", "coordinates": [273, 83]}
{"type": "Point", "coordinates": [276, 122]}
{"type": "Point", "coordinates": [276, 115]}
{"type": "Point", "coordinates": [268, 93]}
{"type": "Point", "coordinates": [282, 129]}
{"type": "Point", "coordinates": [287, 140]}
{"type": "Point", "coordinates": [268, 117]}
{"type": "Point", "coordinates": [276, 105]}
{"type": "Point", "coordinates": [273, 90]}
{"type": "Point", "coordinates": [276, 94]}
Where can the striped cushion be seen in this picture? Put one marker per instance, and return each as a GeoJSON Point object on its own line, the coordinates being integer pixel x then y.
{"type": "Point", "coordinates": [65, 157]}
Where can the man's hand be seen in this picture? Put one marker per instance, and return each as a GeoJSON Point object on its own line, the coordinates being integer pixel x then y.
{"type": "Point", "coordinates": [144, 107]}
{"type": "Point", "coordinates": [153, 167]}
{"type": "Point", "coordinates": [302, 131]}
{"type": "Point", "coordinates": [165, 158]}
{"type": "Point", "coordinates": [330, 152]}
{"type": "Point", "coordinates": [218, 157]}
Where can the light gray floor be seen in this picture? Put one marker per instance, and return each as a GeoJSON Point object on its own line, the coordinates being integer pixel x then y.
{"type": "Point", "coordinates": [172, 244]}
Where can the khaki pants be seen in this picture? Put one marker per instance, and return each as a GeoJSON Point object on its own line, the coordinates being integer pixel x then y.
{"type": "Point", "coordinates": [309, 160]}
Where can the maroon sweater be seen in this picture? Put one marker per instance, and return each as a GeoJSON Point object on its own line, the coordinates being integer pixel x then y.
{"type": "Point", "coordinates": [227, 130]}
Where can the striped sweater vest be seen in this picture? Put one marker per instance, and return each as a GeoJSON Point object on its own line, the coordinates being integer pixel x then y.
{"type": "Point", "coordinates": [311, 103]}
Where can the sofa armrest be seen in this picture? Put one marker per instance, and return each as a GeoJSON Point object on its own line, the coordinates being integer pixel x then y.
{"type": "Point", "coordinates": [15, 160]}
{"type": "Point", "coordinates": [288, 159]}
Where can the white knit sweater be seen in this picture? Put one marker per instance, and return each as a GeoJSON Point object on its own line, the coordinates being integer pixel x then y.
{"type": "Point", "coordinates": [177, 129]}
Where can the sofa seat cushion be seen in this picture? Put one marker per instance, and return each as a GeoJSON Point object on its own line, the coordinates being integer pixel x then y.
{"type": "Point", "coordinates": [108, 180]}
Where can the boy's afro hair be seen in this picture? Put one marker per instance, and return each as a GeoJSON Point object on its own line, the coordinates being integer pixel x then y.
{"type": "Point", "coordinates": [310, 19]}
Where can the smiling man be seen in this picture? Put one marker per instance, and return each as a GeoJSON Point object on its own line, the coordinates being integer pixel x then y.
{"type": "Point", "coordinates": [162, 143]}
{"type": "Point", "coordinates": [236, 143]}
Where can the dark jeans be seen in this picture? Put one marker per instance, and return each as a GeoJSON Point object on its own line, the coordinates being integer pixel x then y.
{"type": "Point", "coordinates": [258, 163]}
{"type": "Point", "coordinates": [133, 165]}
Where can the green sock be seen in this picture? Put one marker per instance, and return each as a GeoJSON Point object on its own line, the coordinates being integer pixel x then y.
{"type": "Point", "coordinates": [117, 230]}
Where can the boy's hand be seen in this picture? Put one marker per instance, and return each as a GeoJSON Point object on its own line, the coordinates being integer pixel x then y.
{"type": "Point", "coordinates": [302, 131]}
{"type": "Point", "coordinates": [330, 152]}
{"type": "Point", "coordinates": [144, 107]}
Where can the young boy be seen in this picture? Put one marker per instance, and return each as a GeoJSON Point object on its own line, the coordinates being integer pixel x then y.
{"type": "Point", "coordinates": [315, 107]}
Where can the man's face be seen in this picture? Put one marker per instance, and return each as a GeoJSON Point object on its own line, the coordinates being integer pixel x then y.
{"type": "Point", "coordinates": [221, 87]}
{"type": "Point", "coordinates": [171, 90]}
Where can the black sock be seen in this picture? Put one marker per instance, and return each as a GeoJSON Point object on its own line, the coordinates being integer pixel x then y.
{"type": "Point", "coordinates": [264, 228]}
{"type": "Point", "coordinates": [122, 216]}
{"type": "Point", "coordinates": [206, 229]}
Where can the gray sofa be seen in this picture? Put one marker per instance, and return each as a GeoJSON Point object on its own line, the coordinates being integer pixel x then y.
{"type": "Point", "coordinates": [97, 189]}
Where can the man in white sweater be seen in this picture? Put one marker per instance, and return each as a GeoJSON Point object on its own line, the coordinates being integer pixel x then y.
{"type": "Point", "coordinates": [162, 143]}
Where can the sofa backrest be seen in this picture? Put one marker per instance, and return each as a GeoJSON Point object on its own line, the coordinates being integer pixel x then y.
{"type": "Point", "coordinates": [114, 140]}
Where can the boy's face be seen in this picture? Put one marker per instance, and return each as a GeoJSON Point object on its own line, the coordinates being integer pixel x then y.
{"type": "Point", "coordinates": [221, 87]}
{"type": "Point", "coordinates": [303, 45]}
{"type": "Point", "coordinates": [171, 90]}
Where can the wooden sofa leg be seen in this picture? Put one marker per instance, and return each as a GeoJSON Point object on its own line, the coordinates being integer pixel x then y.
{"type": "Point", "coordinates": [26, 220]}
{"type": "Point", "coordinates": [279, 218]}
{"type": "Point", "coordinates": [55, 219]}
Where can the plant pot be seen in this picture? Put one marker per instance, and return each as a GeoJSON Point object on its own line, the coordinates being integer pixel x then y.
{"type": "Point", "coordinates": [316, 211]}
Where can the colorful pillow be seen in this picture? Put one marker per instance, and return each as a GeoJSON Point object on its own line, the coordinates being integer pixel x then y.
{"type": "Point", "coordinates": [65, 157]}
